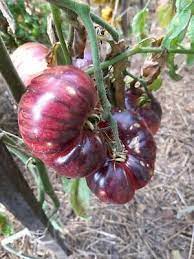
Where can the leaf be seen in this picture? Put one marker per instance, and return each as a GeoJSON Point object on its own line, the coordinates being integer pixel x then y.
{"type": "Point", "coordinates": [6, 228]}
{"type": "Point", "coordinates": [139, 24]}
{"type": "Point", "coordinates": [66, 184]}
{"type": "Point", "coordinates": [8, 15]}
{"type": "Point", "coordinates": [190, 34]}
{"type": "Point", "coordinates": [181, 4]}
{"type": "Point", "coordinates": [177, 28]}
{"type": "Point", "coordinates": [156, 84]}
{"type": "Point", "coordinates": [172, 68]}
{"type": "Point", "coordinates": [165, 14]}
{"type": "Point", "coordinates": [80, 197]}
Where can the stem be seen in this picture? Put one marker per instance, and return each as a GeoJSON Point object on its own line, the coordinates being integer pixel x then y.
{"type": "Point", "coordinates": [76, 7]}
{"type": "Point", "coordinates": [9, 73]}
{"type": "Point", "coordinates": [99, 77]}
{"type": "Point", "coordinates": [142, 82]}
{"type": "Point", "coordinates": [57, 20]}
{"type": "Point", "coordinates": [136, 50]}
{"type": "Point", "coordinates": [83, 11]}
{"type": "Point", "coordinates": [106, 26]}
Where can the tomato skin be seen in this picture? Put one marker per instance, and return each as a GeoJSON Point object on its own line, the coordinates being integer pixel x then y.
{"type": "Point", "coordinates": [112, 183]}
{"type": "Point", "coordinates": [116, 182]}
{"type": "Point", "coordinates": [80, 158]}
{"type": "Point", "coordinates": [53, 110]}
{"type": "Point", "coordinates": [150, 112]}
{"type": "Point", "coordinates": [135, 136]}
{"type": "Point", "coordinates": [29, 60]}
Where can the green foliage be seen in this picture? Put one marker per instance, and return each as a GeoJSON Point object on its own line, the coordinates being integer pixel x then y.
{"type": "Point", "coordinates": [30, 23]}
{"type": "Point", "coordinates": [156, 85]}
{"type": "Point", "coordinates": [6, 228]}
{"type": "Point", "coordinates": [177, 28]}
{"type": "Point", "coordinates": [173, 67]}
{"type": "Point", "coordinates": [79, 195]}
{"type": "Point", "coordinates": [139, 24]}
{"type": "Point", "coordinates": [176, 32]}
{"type": "Point", "coordinates": [190, 33]}
{"type": "Point", "coordinates": [165, 14]}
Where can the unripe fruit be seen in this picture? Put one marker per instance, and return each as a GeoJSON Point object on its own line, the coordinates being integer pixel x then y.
{"type": "Point", "coordinates": [30, 60]}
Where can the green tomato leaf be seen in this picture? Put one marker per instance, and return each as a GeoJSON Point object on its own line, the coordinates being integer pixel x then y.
{"type": "Point", "coordinates": [177, 28]}
{"type": "Point", "coordinates": [80, 197]}
{"type": "Point", "coordinates": [190, 34]}
{"type": "Point", "coordinates": [165, 13]}
{"type": "Point", "coordinates": [172, 68]}
{"type": "Point", "coordinates": [66, 184]}
{"type": "Point", "coordinates": [6, 228]}
{"type": "Point", "coordinates": [139, 24]}
{"type": "Point", "coordinates": [181, 4]}
{"type": "Point", "coordinates": [156, 85]}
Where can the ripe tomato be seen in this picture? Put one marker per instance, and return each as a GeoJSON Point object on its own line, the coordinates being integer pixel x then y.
{"type": "Point", "coordinates": [30, 60]}
{"type": "Point", "coordinates": [81, 157]}
{"type": "Point", "coordinates": [151, 112]}
{"type": "Point", "coordinates": [115, 182]}
{"type": "Point", "coordinates": [52, 113]}
{"type": "Point", "coordinates": [112, 183]}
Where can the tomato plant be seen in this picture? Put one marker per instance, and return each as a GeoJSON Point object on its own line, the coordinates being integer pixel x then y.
{"type": "Point", "coordinates": [94, 123]}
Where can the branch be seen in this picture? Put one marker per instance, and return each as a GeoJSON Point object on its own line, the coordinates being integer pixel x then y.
{"type": "Point", "coordinates": [106, 26]}
{"type": "Point", "coordinates": [9, 73]}
{"type": "Point", "coordinates": [136, 50]}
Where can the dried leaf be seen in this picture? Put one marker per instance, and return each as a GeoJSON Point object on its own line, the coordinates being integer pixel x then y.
{"type": "Point", "coordinates": [153, 64]}
{"type": "Point", "coordinates": [51, 32]}
{"type": "Point", "coordinates": [150, 71]}
{"type": "Point", "coordinates": [8, 15]}
{"type": "Point", "coordinates": [79, 44]}
{"type": "Point", "coordinates": [119, 83]}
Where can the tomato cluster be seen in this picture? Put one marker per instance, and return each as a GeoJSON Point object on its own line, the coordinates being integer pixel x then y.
{"type": "Point", "coordinates": [52, 119]}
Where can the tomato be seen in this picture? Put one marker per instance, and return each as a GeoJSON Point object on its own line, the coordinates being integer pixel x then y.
{"type": "Point", "coordinates": [115, 182]}
{"type": "Point", "coordinates": [30, 60]}
{"type": "Point", "coordinates": [151, 112]}
{"type": "Point", "coordinates": [81, 157]}
{"type": "Point", "coordinates": [52, 113]}
{"type": "Point", "coordinates": [112, 183]}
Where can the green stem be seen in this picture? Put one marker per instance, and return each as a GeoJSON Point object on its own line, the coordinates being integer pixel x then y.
{"type": "Point", "coordinates": [83, 11]}
{"type": "Point", "coordinates": [57, 20]}
{"type": "Point", "coordinates": [9, 73]}
{"type": "Point", "coordinates": [105, 25]}
{"type": "Point", "coordinates": [99, 76]}
{"type": "Point", "coordinates": [136, 50]}
{"type": "Point", "coordinates": [141, 81]}
{"type": "Point", "coordinates": [76, 7]}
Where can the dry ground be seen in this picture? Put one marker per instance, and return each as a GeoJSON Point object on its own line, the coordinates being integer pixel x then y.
{"type": "Point", "coordinates": [148, 227]}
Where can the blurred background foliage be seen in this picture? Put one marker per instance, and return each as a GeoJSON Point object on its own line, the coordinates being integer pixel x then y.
{"type": "Point", "coordinates": [31, 22]}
